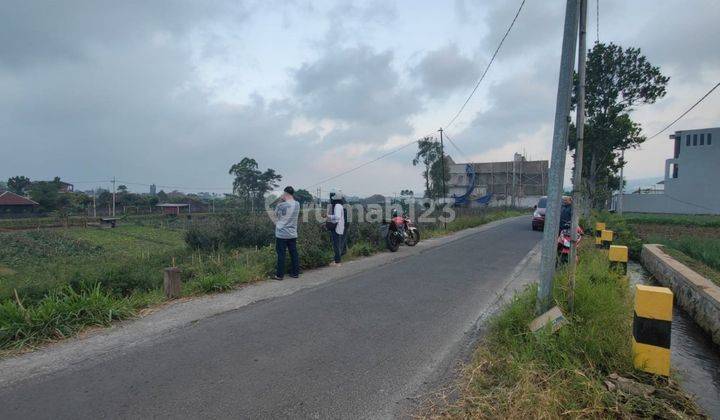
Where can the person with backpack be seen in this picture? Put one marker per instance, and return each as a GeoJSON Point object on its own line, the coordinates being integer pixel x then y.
{"type": "Point", "coordinates": [286, 233]}
{"type": "Point", "coordinates": [335, 223]}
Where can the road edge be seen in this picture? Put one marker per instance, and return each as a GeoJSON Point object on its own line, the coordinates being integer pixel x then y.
{"type": "Point", "coordinates": [122, 337]}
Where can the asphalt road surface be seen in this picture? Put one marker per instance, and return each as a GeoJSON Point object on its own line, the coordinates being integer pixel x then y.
{"type": "Point", "coordinates": [361, 346]}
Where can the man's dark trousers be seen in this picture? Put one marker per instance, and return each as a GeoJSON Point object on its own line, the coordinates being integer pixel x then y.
{"type": "Point", "coordinates": [291, 245]}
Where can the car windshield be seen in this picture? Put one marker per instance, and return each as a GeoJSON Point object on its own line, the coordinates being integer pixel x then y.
{"type": "Point", "coordinates": [542, 203]}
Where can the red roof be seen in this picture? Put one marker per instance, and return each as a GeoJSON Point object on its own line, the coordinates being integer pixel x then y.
{"type": "Point", "coordinates": [8, 198]}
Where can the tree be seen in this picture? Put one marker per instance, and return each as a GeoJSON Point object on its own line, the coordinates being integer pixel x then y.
{"type": "Point", "coordinates": [617, 81]}
{"type": "Point", "coordinates": [122, 188]}
{"type": "Point", "coordinates": [46, 194]}
{"type": "Point", "coordinates": [250, 183]}
{"type": "Point", "coordinates": [19, 184]}
{"type": "Point", "coordinates": [407, 193]}
{"type": "Point", "coordinates": [429, 152]}
{"type": "Point", "coordinates": [303, 196]}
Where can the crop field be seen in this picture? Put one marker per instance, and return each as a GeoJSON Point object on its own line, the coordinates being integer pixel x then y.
{"type": "Point", "coordinates": [692, 239]}
{"type": "Point", "coordinates": [33, 262]}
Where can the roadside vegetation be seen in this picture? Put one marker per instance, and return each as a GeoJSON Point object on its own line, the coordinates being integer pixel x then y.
{"type": "Point", "coordinates": [517, 374]}
{"type": "Point", "coordinates": [56, 282]}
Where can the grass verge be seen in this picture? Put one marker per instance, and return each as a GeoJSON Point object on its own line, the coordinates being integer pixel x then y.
{"type": "Point", "coordinates": [517, 374]}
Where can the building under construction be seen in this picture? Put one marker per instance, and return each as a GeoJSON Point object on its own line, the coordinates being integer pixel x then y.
{"type": "Point", "coordinates": [515, 183]}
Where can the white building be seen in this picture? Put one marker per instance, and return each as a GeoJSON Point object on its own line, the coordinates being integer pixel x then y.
{"type": "Point", "coordinates": [692, 178]}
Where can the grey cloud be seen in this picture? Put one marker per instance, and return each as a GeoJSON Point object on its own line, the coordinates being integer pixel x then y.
{"type": "Point", "coordinates": [519, 106]}
{"type": "Point", "coordinates": [356, 85]}
{"type": "Point", "coordinates": [445, 70]}
{"type": "Point", "coordinates": [41, 32]}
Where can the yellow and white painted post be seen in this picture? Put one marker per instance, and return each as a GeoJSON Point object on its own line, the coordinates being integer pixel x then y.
{"type": "Point", "coordinates": [599, 227]}
{"type": "Point", "coordinates": [651, 329]}
{"type": "Point", "coordinates": [606, 238]}
{"type": "Point", "coordinates": [618, 256]}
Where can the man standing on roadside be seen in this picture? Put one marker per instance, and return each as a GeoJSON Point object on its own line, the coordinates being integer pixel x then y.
{"type": "Point", "coordinates": [286, 222]}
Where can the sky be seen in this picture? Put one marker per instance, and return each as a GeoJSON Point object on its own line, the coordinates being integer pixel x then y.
{"type": "Point", "coordinates": [174, 92]}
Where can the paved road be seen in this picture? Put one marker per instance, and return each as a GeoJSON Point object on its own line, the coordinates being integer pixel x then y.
{"type": "Point", "coordinates": [356, 347]}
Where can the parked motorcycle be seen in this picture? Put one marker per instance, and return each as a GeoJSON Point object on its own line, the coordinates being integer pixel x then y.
{"type": "Point", "coordinates": [563, 244]}
{"type": "Point", "coordinates": [401, 230]}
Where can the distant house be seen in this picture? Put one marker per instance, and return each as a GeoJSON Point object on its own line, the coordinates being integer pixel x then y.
{"type": "Point", "coordinates": [14, 203]}
{"type": "Point", "coordinates": [66, 187]}
{"type": "Point", "coordinates": [173, 208]}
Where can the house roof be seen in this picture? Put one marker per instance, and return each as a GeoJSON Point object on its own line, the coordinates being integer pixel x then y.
{"type": "Point", "coordinates": [172, 205]}
{"type": "Point", "coordinates": [9, 198]}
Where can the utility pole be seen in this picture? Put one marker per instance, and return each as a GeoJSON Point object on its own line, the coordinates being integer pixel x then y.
{"type": "Point", "coordinates": [622, 184]}
{"type": "Point", "coordinates": [94, 203]}
{"type": "Point", "coordinates": [557, 163]}
{"type": "Point", "coordinates": [442, 167]}
{"type": "Point", "coordinates": [442, 163]}
{"type": "Point", "coordinates": [577, 177]}
{"type": "Point", "coordinates": [113, 204]}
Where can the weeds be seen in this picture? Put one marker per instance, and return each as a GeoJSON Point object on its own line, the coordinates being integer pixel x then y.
{"type": "Point", "coordinates": [59, 315]}
{"type": "Point", "coordinates": [518, 374]}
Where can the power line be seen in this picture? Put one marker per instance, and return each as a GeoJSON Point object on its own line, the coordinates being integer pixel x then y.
{"type": "Point", "coordinates": [362, 165]}
{"type": "Point", "coordinates": [685, 113]}
{"type": "Point", "coordinates": [463, 154]}
{"type": "Point", "coordinates": [492, 59]}
{"type": "Point", "coordinates": [597, 21]}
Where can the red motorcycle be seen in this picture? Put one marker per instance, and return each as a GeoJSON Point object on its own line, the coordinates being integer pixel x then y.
{"type": "Point", "coordinates": [563, 244]}
{"type": "Point", "coordinates": [401, 230]}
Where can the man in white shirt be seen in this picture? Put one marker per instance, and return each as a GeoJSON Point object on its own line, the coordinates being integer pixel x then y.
{"type": "Point", "coordinates": [336, 217]}
{"type": "Point", "coordinates": [286, 233]}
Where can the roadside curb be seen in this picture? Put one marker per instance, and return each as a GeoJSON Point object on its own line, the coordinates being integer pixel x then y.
{"type": "Point", "coordinates": [122, 337]}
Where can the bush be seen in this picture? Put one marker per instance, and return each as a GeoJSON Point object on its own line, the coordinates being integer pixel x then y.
{"type": "Point", "coordinates": [60, 314]}
{"type": "Point", "coordinates": [211, 283]}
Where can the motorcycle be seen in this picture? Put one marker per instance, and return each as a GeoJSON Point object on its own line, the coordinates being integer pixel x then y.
{"type": "Point", "coordinates": [563, 244]}
{"type": "Point", "coordinates": [401, 230]}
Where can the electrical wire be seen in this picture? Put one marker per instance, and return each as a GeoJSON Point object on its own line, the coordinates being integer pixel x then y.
{"type": "Point", "coordinates": [463, 154]}
{"type": "Point", "coordinates": [685, 113]}
{"type": "Point", "coordinates": [597, 21]}
{"type": "Point", "coordinates": [487, 68]}
{"type": "Point", "coordinates": [362, 165]}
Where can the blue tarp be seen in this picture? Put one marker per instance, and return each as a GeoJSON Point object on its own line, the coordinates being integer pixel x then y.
{"type": "Point", "coordinates": [465, 198]}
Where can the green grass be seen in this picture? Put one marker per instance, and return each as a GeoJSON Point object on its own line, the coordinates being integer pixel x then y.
{"type": "Point", "coordinates": [518, 374]}
{"type": "Point", "coordinates": [673, 219]}
{"type": "Point", "coordinates": [123, 259]}
{"type": "Point", "coordinates": [466, 221]}
{"type": "Point", "coordinates": [60, 314]}
{"type": "Point", "coordinates": [697, 256]}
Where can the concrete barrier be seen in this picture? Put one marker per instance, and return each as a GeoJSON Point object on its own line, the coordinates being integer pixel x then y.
{"type": "Point", "coordinates": [694, 293]}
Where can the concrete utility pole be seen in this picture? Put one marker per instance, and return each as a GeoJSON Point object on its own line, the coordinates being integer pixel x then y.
{"type": "Point", "coordinates": [557, 163]}
{"type": "Point", "coordinates": [94, 203]}
{"type": "Point", "coordinates": [113, 204]}
{"type": "Point", "coordinates": [577, 177]}
{"type": "Point", "coordinates": [442, 167]}
{"type": "Point", "coordinates": [442, 163]}
{"type": "Point", "coordinates": [622, 184]}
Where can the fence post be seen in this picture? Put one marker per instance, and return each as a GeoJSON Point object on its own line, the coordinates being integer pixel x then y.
{"type": "Point", "coordinates": [652, 323]}
{"type": "Point", "coordinates": [618, 256]}
{"type": "Point", "coordinates": [172, 282]}
{"type": "Point", "coordinates": [599, 227]}
{"type": "Point", "coordinates": [607, 238]}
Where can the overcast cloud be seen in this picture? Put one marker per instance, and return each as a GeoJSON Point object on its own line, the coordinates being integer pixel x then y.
{"type": "Point", "coordinates": [174, 92]}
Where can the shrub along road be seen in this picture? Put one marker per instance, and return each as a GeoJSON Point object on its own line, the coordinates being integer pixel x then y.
{"type": "Point", "coordinates": [360, 346]}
